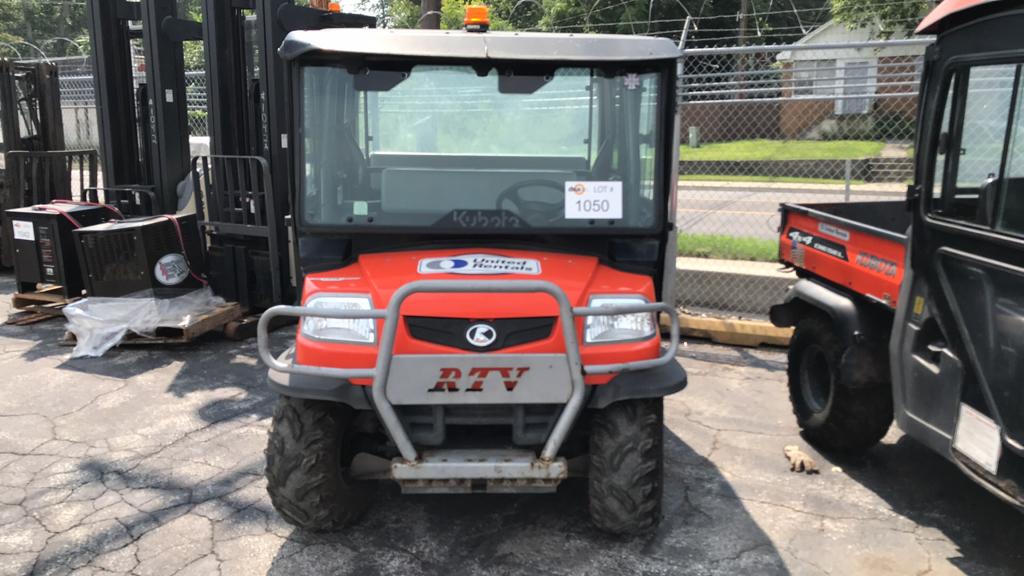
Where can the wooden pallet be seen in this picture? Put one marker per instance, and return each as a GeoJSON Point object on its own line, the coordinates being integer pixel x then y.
{"type": "Point", "coordinates": [38, 306]}
{"type": "Point", "coordinates": [218, 319]}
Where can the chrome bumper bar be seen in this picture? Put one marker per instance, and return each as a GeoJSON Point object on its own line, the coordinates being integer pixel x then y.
{"type": "Point", "coordinates": [385, 353]}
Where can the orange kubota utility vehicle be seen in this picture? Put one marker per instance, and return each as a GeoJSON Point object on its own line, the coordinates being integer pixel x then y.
{"type": "Point", "coordinates": [915, 310]}
{"type": "Point", "coordinates": [484, 225]}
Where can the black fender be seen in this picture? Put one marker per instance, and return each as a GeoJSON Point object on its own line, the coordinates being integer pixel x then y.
{"type": "Point", "coordinates": [862, 326]}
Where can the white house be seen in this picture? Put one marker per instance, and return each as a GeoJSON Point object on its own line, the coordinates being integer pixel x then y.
{"type": "Point", "coordinates": [850, 72]}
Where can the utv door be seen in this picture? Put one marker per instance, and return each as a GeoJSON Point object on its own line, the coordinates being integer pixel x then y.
{"type": "Point", "coordinates": [958, 342]}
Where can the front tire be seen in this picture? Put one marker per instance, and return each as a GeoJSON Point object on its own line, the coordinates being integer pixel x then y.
{"type": "Point", "coordinates": [840, 406]}
{"type": "Point", "coordinates": [626, 466]}
{"type": "Point", "coordinates": [308, 453]}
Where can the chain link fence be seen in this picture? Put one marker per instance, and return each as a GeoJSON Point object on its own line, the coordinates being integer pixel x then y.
{"type": "Point", "coordinates": [761, 125]}
{"type": "Point", "coordinates": [809, 122]}
{"type": "Point", "coordinates": [78, 105]}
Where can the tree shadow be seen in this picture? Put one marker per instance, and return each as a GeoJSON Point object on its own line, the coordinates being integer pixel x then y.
{"type": "Point", "coordinates": [934, 494]}
{"type": "Point", "coordinates": [705, 529]}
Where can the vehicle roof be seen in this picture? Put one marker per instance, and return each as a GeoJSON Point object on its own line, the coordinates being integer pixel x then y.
{"type": "Point", "coordinates": [951, 12]}
{"type": "Point", "coordinates": [459, 44]}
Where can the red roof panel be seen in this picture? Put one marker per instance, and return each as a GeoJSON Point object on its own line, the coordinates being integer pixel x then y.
{"type": "Point", "coordinates": [933, 23]}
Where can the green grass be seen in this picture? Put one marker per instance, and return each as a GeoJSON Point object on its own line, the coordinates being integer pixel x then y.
{"type": "Point", "coordinates": [783, 150]}
{"type": "Point", "coordinates": [779, 179]}
{"type": "Point", "coordinates": [728, 247]}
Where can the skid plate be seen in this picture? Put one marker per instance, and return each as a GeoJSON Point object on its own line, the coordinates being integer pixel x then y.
{"type": "Point", "coordinates": [455, 471]}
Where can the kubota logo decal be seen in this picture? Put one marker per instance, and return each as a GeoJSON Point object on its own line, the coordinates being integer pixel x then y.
{"type": "Point", "coordinates": [451, 379]}
{"type": "Point", "coordinates": [481, 335]}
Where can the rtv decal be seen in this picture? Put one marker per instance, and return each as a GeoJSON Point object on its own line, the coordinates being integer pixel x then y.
{"type": "Point", "coordinates": [479, 264]}
{"type": "Point", "coordinates": [823, 245]}
{"type": "Point", "coordinates": [450, 379]}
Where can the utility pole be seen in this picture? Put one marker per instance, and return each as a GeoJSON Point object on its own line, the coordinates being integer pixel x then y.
{"type": "Point", "coordinates": [741, 63]}
{"type": "Point", "coordinates": [744, 10]}
{"type": "Point", "coordinates": [430, 14]}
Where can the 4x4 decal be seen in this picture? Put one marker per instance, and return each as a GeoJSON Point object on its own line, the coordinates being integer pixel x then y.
{"type": "Point", "coordinates": [450, 378]}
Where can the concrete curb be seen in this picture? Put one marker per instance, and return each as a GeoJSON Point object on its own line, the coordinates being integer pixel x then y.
{"type": "Point", "coordinates": [733, 287]}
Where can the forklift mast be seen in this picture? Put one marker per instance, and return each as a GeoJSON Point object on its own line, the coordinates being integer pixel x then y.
{"type": "Point", "coordinates": [30, 115]}
{"type": "Point", "coordinates": [247, 180]}
{"type": "Point", "coordinates": [154, 154]}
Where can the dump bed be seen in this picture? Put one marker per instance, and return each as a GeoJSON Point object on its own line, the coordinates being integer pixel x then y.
{"type": "Point", "coordinates": [859, 246]}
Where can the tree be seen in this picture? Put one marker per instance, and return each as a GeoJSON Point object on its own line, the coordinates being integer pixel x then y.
{"type": "Point", "coordinates": [889, 16]}
{"type": "Point", "coordinates": [53, 26]}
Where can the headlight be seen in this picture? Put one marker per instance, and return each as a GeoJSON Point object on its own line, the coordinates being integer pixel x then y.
{"type": "Point", "coordinates": [621, 327]}
{"type": "Point", "coordinates": [360, 331]}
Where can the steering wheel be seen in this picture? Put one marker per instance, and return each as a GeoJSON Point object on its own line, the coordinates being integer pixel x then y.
{"type": "Point", "coordinates": [533, 211]}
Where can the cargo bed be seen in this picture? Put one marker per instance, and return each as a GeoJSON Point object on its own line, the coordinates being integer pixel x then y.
{"type": "Point", "coordinates": [858, 246]}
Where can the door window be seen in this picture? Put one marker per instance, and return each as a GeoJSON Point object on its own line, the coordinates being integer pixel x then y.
{"type": "Point", "coordinates": [982, 110]}
{"type": "Point", "coordinates": [1011, 208]}
{"type": "Point", "coordinates": [947, 129]}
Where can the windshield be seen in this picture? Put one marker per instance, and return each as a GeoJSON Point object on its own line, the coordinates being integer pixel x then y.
{"type": "Point", "coordinates": [451, 147]}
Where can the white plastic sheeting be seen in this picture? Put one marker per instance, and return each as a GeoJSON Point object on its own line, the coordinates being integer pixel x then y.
{"type": "Point", "coordinates": [99, 324]}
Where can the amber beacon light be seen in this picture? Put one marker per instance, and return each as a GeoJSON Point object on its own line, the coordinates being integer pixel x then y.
{"type": "Point", "coordinates": [477, 19]}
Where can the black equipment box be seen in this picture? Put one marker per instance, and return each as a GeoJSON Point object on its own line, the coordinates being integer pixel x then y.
{"type": "Point", "coordinates": [160, 253]}
{"type": "Point", "coordinates": [44, 248]}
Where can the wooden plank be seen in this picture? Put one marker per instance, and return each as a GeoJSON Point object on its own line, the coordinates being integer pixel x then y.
{"type": "Point", "coordinates": [23, 300]}
{"type": "Point", "coordinates": [27, 318]}
{"type": "Point", "coordinates": [215, 319]}
{"type": "Point", "coordinates": [749, 333]}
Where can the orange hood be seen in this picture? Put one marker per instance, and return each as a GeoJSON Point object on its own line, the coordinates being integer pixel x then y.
{"type": "Point", "coordinates": [380, 275]}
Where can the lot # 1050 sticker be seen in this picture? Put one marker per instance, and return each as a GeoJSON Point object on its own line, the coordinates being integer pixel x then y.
{"type": "Point", "coordinates": [593, 200]}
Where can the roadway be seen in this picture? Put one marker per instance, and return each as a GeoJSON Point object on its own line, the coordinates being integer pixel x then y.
{"type": "Point", "coordinates": [752, 209]}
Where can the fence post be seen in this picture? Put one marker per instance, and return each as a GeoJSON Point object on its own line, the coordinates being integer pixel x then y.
{"type": "Point", "coordinates": [848, 171]}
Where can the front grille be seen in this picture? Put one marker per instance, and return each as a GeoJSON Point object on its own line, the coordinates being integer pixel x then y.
{"type": "Point", "coordinates": [452, 331]}
{"type": "Point", "coordinates": [529, 424]}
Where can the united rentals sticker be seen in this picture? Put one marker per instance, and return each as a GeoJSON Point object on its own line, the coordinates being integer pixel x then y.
{"type": "Point", "coordinates": [801, 238]}
{"type": "Point", "coordinates": [479, 264]}
{"type": "Point", "coordinates": [834, 231]}
{"type": "Point", "coordinates": [171, 269]}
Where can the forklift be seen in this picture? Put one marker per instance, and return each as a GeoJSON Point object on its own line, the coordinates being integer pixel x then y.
{"type": "Point", "coordinates": [485, 229]}
{"type": "Point", "coordinates": [926, 326]}
{"type": "Point", "coordinates": [238, 191]}
{"type": "Point", "coordinates": [36, 167]}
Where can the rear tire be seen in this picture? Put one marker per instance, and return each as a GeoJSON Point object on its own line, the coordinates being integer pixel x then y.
{"type": "Point", "coordinates": [626, 466]}
{"type": "Point", "coordinates": [308, 453]}
{"type": "Point", "coordinates": [843, 410]}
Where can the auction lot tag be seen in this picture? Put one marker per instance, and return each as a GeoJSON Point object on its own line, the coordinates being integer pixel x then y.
{"type": "Point", "coordinates": [23, 230]}
{"type": "Point", "coordinates": [593, 200]}
{"type": "Point", "coordinates": [977, 437]}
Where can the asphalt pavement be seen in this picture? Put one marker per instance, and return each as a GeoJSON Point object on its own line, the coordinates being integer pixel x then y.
{"type": "Point", "coordinates": [149, 461]}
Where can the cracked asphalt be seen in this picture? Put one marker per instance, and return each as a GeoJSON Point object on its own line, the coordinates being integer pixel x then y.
{"type": "Point", "coordinates": [150, 461]}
